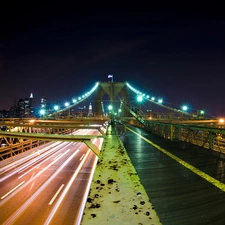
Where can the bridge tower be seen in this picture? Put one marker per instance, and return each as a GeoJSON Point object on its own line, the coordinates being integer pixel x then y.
{"type": "Point", "coordinates": [111, 93]}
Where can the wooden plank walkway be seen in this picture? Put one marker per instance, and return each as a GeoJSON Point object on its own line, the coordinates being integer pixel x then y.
{"type": "Point", "coordinates": [184, 182]}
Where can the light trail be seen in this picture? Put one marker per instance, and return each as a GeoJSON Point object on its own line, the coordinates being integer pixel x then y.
{"type": "Point", "coordinates": [82, 157]}
{"type": "Point", "coordinates": [12, 190]}
{"type": "Point", "coordinates": [29, 164]}
{"type": "Point", "coordinates": [12, 218]}
{"type": "Point", "coordinates": [81, 210]}
{"type": "Point", "coordinates": [24, 159]}
{"type": "Point", "coordinates": [41, 163]}
{"type": "Point", "coordinates": [56, 194]}
{"type": "Point", "coordinates": [58, 203]}
{"type": "Point", "coordinates": [40, 172]}
{"type": "Point", "coordinates": [62, 196]}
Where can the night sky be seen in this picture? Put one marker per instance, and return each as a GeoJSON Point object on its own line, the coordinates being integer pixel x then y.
{"type": "Point", "coordinates": [174, 52]}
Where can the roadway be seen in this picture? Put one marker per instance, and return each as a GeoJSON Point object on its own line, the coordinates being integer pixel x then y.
{"type": "Point", "coordinates": [51, 187]}
{"type": "Point", "coordinates": [184, 182]}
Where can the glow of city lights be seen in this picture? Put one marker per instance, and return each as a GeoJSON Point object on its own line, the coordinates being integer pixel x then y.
{"type": "Point", "coordinates": [153, 98]}
{"type": "Point", "coordinates": [74, 100]}
{"type": "Point", "coordinates": [160, 101]}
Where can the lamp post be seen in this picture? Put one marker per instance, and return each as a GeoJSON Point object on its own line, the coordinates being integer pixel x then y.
{"type": "Point", "coordinates": [110, 108]}
{"type": "Point", "coordinates": [139, 99]}
{"type": "Point", "coordinates": [42, 112]}
{"type": "Point", "coordinates": [56, 108]}
{"type": "Point", "coordinates": [67, 105]}
{"type": "Point", "coordinates": [184, 109]}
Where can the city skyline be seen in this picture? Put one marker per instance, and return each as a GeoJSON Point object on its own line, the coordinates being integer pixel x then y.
{"type": "Point", "coordinates": [171, 52]}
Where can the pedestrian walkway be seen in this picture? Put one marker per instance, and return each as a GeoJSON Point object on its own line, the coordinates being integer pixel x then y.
{"type": "Point", "coordinates": [185, 182]}
{"type": "Point", "coordinates": [116, 195]}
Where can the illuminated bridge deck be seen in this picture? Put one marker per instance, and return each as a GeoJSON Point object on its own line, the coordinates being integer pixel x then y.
{"type": "Point", "coordinates": [185, 183]}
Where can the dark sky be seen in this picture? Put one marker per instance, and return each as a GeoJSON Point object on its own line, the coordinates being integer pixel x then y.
{"type": "Point", "coordinates": [175, 52]}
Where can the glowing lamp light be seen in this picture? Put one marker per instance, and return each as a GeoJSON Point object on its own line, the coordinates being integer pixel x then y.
{"type": "Point", "coordinates": [139, 98]}
{"type": "Point", "coordinates": [110, 107]}
{"type": "Point", "coordinates": [42, 112]}
{"type": "Point", "coordinates": [160, 101]}
{"type": "Point", "coordinates": [184, 108]}
{"type": "Point", "coordinates": [56, 107]}
{"type": "Point", "coordinates": [67, 104]}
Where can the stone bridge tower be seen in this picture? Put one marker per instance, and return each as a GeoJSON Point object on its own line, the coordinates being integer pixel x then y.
{"type": "Point", "coordinates": [114, 92]}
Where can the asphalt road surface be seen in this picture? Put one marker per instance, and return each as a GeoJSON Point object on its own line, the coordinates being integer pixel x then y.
{"type": "Point", "coordinates": [49, 188]}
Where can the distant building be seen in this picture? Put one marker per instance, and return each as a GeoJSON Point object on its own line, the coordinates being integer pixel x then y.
{"type": "Point", "coordinates": [43, 107]}
{"type": "Point", "coordinates": [31, 105]}
{"type": "Point", "coordinates": [4, 113]}
{"type": "Point", "coordinates": [23, 108]}
{"type": "Point", "coordinates": [43, 103]}
{"type": "Point", "coordinates": [90, 113]}
{"type": "Point", "coordinates": [13, 110]}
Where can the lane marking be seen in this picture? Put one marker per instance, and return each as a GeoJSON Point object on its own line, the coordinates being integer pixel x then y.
{"type": "Point", "coordinates": [27, 172]}
{"type": "Point", "coordinates": [23, 207]}
{"type": "Point", "coordinates": [82, 157]}
{"type": "Point", "coordinates": [200, 173]}
{"type": "Point", "coordinates": [12, 190]}
{"type": "Point", "coordinates": [56, 194]}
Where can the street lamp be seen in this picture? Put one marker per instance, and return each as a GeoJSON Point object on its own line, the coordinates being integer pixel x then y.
{"type": "Point", "coordinates": [160, 101]}
{"type": "Point", "coordinates": [139, 98]}
{"type": "Point", "coordinates": [56, 107]}
{"type": "Point", "coordinates": [67, 104]}
{"type": "Point", "coordinates": [184, 109]}
{"type": "Point", "coordinates": [110, 107]}
{"type": "Point", "coordinates": [42, 112]}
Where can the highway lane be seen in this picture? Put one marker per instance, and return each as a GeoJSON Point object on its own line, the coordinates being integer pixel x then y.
{"type": "Point", "coordinates": [72, 203]}
{"type": "Point", "coordinates": [36, 190]}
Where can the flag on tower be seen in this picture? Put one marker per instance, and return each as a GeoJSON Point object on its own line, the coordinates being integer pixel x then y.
{"type": "Point", "coordinates": [111, 76]}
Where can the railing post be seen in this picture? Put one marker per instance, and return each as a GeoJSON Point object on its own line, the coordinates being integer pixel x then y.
{"type": "Point", "coordinates": [171, 132]}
